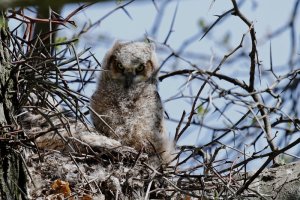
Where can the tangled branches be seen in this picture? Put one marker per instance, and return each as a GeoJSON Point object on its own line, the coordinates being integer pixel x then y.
{"type": "Point", "coordinates": [235, 114]}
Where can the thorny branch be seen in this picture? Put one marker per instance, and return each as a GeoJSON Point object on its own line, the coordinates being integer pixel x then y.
{"type": "Point", "coordinates": [238, 119]}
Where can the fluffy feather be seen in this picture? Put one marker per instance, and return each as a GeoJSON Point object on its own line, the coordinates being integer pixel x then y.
{"type": "Point", "coordinates": [132, 114]}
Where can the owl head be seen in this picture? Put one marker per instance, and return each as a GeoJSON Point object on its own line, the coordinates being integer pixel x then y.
{"type": "Point", "coordinates": [130, 63]}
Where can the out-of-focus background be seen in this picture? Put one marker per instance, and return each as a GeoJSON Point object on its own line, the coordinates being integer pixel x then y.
{"type": "Point", "coordinates": [180, 27]}
{"type": "Point", "coordinates": [195, 40]}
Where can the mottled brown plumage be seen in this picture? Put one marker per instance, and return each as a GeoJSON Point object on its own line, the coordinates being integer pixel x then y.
{"type": "Point", "coordinates": [126, 100]}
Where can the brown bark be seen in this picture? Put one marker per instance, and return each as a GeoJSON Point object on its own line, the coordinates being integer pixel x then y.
{"type": "Point", "coordinates": [12, 176]}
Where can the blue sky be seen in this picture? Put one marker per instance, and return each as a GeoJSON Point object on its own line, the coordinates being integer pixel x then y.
{"type": "Point", "coordinates": [267, 16]}
{"type": "Point", "coordinates": [120, 27]}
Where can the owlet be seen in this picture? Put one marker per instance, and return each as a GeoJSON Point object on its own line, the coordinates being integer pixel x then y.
{"type": "Point", "coordinates": [126, 103]}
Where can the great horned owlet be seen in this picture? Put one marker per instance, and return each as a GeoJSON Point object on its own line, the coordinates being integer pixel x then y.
{"type": "Point", "coordinates": [126, 100]}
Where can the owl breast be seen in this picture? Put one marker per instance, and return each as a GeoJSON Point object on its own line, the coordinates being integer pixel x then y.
{"type": "Point", "coordinates": [134, 116]}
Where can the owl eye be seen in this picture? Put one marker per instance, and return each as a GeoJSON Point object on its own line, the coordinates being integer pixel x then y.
{"type": "Point", "coordinates": [140, 68]}
{"type": "Point", "coordinates": [120, 66]}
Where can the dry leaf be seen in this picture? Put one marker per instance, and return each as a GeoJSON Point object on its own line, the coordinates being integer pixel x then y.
{"type": "Point", "coordinates": [60, 186]}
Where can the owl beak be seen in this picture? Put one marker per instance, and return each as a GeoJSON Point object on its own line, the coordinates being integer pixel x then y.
{"type": "Point", "coordinates": [129, 76]}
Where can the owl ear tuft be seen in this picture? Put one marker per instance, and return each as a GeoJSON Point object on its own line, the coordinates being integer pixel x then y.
{"type": "Point", "coordinates": [152, 46]}
{"type": "Point", "coordinates": [150, 43]}
{"type": "Point", "coordinates": [117, 44]}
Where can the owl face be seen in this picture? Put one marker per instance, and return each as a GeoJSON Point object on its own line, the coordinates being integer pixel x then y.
{"type": "Point", "coordinates": [131, 63]}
